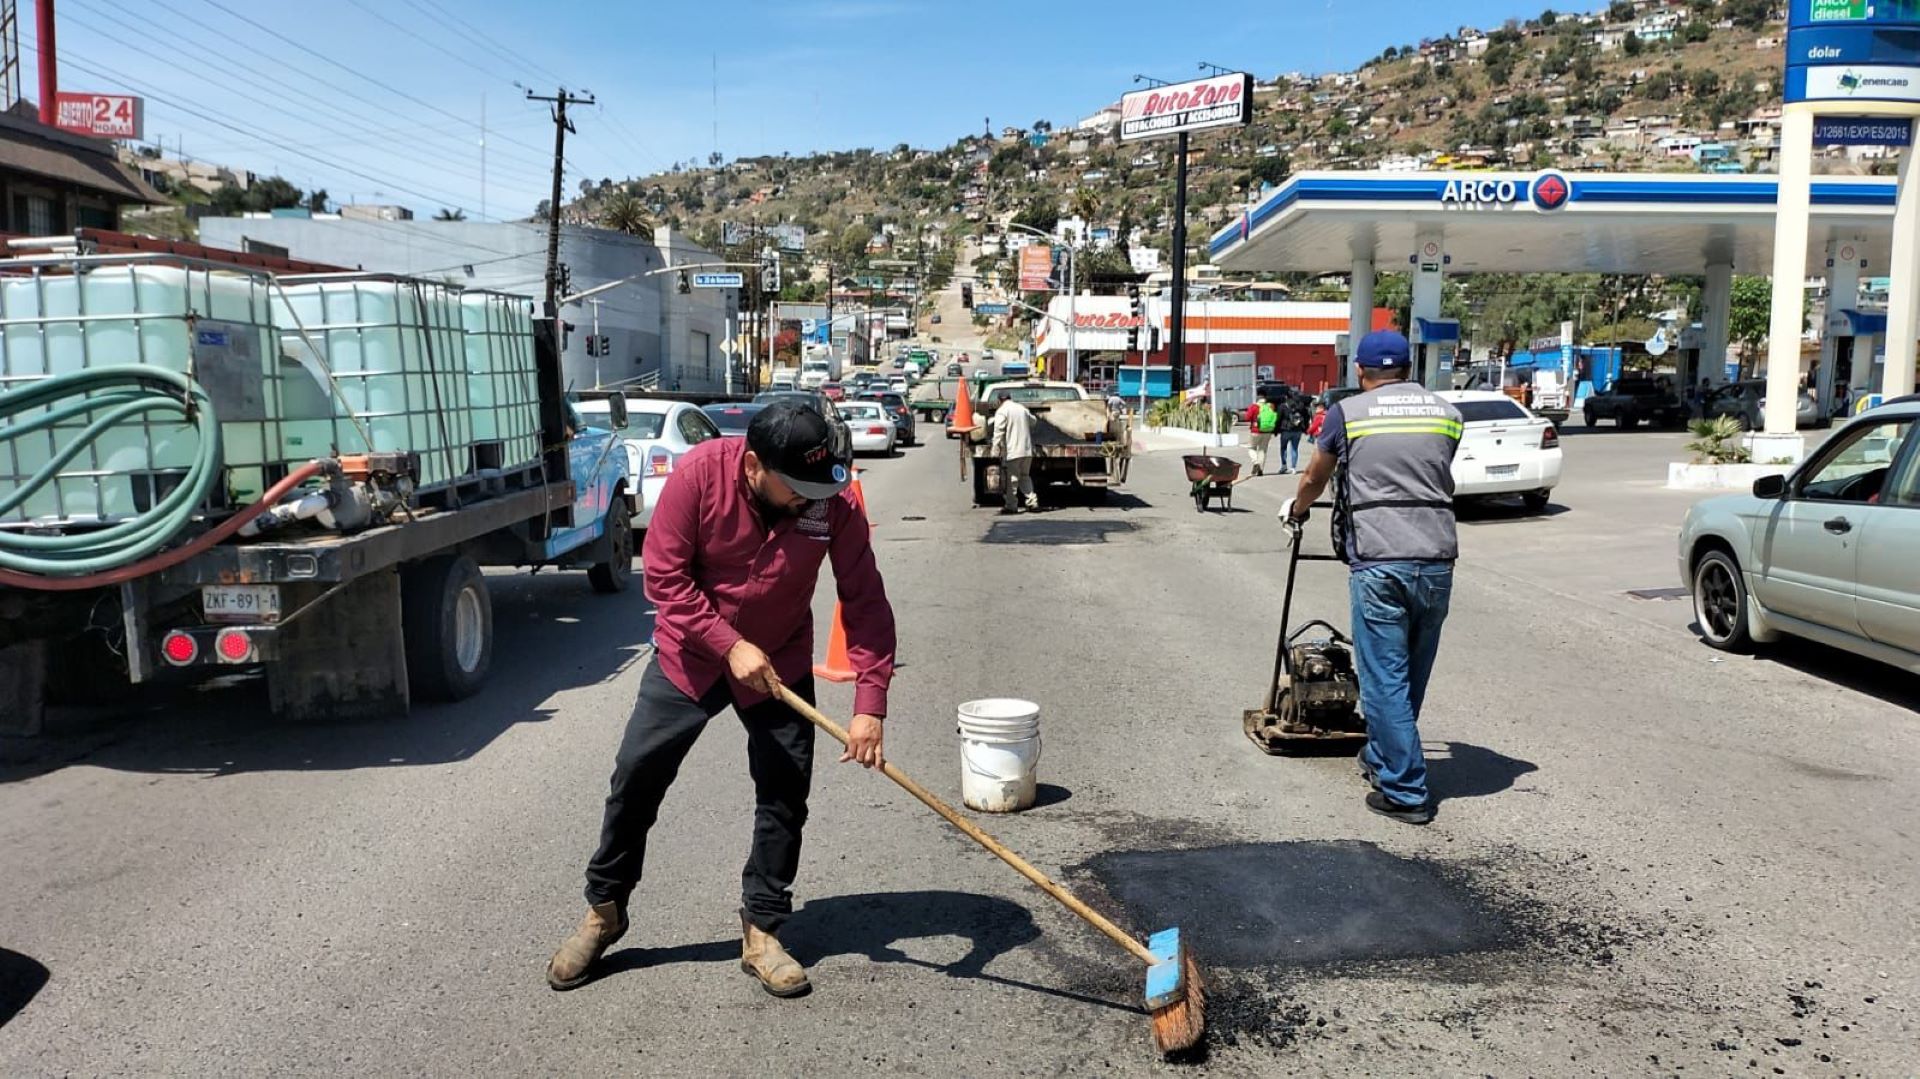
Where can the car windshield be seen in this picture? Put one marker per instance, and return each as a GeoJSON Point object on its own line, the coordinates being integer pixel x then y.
{"type": "Point", "coordinates": [1030, 394]}
{"type": "Point", "coordinates": [1489, 411]}
{"type": "Point", "coordinates": [639, 424]}
{"type": "Point", "coordinates": [861, 410]}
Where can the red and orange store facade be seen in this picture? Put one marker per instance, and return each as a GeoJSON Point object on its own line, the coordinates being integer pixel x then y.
{"type": "Point", "coordinates": [1291, 342]}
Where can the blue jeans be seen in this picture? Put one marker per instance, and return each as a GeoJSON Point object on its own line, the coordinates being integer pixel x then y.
{"type": "Point", "coordinates": [1398, 609]}
{"type": "Point", "coordinates": [1290, 450]}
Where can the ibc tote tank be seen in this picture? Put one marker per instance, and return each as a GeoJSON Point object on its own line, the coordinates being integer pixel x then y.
{"type": "Point", "coordinates": [58, 317]}
{"type": "Point", "coordinates": [502, 378]}
{"type": "Point", "coordinates": [396, 353]}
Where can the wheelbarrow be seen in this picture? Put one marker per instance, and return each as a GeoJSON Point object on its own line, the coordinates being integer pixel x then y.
{"type": "Point", "coordinates": [1212, 477]}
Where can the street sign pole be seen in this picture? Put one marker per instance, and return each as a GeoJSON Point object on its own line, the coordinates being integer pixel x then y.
{"type": "Point", "coordinates": [1176, 315]}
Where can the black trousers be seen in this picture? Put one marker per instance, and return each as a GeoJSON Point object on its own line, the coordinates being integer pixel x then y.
{"type": "Point", "coordinates": [665, 724]}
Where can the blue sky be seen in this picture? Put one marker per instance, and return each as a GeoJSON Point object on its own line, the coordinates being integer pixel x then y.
{"type": "Point", "coordinates": [380, 100]}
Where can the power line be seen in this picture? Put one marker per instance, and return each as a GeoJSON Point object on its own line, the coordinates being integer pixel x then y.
{"type": "Point", "coordinates": [356, 73]}
{"type": "Point", "coordinates": [258, 90]}
{"type": "Point", "coordinates": [276, 77]}
{"type": "Point", "coordinates": [70, 60]}
{"type": "Point", "coordinates": [477, 36]}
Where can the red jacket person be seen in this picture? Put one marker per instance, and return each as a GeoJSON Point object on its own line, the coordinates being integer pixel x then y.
{"type": "Point", "coordinates": [730, 563]}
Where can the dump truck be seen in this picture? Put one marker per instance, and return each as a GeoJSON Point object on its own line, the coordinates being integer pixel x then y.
{"type": "Point", "coordinates": [209, 469]}
{"type": "Point", "coordinates": [1076, 443]}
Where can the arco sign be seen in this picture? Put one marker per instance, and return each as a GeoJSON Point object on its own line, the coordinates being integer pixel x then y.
{"type": "Point", "coordinates": [1547, 191]}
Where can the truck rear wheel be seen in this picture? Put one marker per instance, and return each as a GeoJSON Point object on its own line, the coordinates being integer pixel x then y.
{"type": "Point", "coordinates": [616, 572]}
{"type": "Point", "coordinates": [447, 617]}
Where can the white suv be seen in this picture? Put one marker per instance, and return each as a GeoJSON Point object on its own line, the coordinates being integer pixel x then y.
{"type": "Point", "coordinates": [1827, 553]}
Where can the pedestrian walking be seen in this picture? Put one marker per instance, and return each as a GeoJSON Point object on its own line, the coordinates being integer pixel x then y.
{"type": "Point", "coordinates": [735, 547]}
{"type": "Point", "coordinates": [1264, 420]}
{"type": "Point", "coordinates": [1293, 422]}
{"type": "Point", "coordinates": [1388, 452]}
{"type": "Point", "coordinates": [1013, 444]}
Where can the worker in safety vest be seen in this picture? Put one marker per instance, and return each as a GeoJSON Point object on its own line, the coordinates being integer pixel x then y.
{"type": "Point", "coordinates": [1388, 451]}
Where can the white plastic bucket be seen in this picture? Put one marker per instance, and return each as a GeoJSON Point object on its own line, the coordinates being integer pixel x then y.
{"type": "Point", "coordinates": [999, 747]}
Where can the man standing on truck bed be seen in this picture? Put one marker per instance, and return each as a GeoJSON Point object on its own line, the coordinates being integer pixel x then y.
{"type": "Point", "coordinates": [730, 564]}
{"type": "Point", "coordinates": [1393, 446]}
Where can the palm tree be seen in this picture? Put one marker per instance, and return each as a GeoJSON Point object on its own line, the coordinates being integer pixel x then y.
{"type": "Point", "coordinates": [627, 213]}
{"type": "Point", "coordinates": [450, 215]}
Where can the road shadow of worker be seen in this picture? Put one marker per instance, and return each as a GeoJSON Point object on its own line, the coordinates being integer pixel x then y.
{"type": "Point", "coordinates": [874, 925]}
{"type": "Point", "coordinates": [1464, 770]}
{"type": "Point", "coordinates": [21, 979]}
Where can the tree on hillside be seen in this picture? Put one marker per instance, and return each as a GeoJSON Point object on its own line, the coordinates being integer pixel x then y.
{"type": "Point", "coordinates": [625, 212]}
{"type": "Point", "coordinates": [1041, 213]}
{"type": "Point", "coordinates": [1631, 44]}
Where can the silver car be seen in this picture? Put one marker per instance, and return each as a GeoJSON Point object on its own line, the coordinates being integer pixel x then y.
{"type": "Point", "coordinates": [1826, 553]}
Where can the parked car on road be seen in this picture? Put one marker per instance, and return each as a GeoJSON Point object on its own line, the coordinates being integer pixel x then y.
{"type": "Point", "coordinates": [1504, 449]}
{"type": "Point", "coordinates": [658, 434]}
{"type": "Point", "coordinates": [873, 430]}
{"type": "Point", "coordinates": [1826, 553]}
{"type": "Point", "coordinates": [733, 418]}
{"type": "Point", "coordinates": [1631, 401]}
{"type": "Point", "coordinates": [1746, 401]}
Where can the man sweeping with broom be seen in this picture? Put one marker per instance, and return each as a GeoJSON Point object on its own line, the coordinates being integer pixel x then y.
{"type": "Point", "coordinates": [731, 560]}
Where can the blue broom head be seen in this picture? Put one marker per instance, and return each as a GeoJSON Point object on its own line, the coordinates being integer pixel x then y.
{"type": "Point", "coordinates": [1166, 979]}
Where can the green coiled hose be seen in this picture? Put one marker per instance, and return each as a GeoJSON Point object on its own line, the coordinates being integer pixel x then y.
{"type": "Point", "coordinates": [111, 396]}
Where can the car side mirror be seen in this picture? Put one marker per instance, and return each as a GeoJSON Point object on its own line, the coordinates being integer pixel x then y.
{"type": "Point", "coordinates": [617, 411]}
{"type": "Point", "coordinates": [1770, 487]}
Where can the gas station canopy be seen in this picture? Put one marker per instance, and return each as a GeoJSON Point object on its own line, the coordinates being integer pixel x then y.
{"type": "Point", "coordinates": [1506, 222]}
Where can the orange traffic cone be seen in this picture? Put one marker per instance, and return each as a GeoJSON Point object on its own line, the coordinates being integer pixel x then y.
{"type": "Point", "coordinates": [962, 419]}
{"type": "Point", "coordinates": [837, 668]}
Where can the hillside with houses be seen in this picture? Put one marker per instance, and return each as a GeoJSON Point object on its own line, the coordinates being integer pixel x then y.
{"type": "Point", "coordinates": [1664, 85]}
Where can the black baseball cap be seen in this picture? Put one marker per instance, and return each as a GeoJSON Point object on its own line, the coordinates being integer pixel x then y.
{"type": "Point", "coordinates": [810, 453]}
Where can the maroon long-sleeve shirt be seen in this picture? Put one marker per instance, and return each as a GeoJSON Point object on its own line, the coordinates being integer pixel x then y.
{"type": "Point", "coordinates": [717, 572]}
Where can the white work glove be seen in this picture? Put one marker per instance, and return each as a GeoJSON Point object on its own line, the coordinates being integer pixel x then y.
{"type": "Point", "coordinates": [1293, 524]}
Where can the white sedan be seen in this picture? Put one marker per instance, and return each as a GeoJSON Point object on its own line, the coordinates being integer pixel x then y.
{"type": "Point", "coordinates": [1504, 449]}
{"type": "Point", "coordinates": [873, 430]}
{"type": "Point", "coordinates": [658, 434]}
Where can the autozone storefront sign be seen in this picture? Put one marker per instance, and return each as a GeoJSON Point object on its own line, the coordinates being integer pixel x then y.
{"type": "Point", "coordinates": [1116, 320]}
{"type": "Point", "coordinates": [1217, 101]}
{"type": "Point", "coordinates": [100, 116]}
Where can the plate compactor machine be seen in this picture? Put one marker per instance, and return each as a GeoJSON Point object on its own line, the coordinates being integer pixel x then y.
{"type": "Point", "coordinates": [1313, 702]}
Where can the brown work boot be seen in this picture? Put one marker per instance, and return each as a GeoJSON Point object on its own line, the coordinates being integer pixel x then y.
{"type": "Point", "coordinates": [762, 956]}
{"type": "Point", "coordinates": [604, 924]}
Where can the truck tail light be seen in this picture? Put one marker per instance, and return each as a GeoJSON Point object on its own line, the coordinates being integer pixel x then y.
{"type": "Point", "coordinates": [179, 648]}
{"type": "Point", "coordinates": [233, 645]}
{"type": "Point", "coordinates": [1549, 438]}
{"type": "Point", "coordinates": [659, 462]}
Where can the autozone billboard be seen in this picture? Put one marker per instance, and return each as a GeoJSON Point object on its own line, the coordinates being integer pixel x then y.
{"type": "Point", "coordinates": [1217, 101]}
{"type": "Point", "coordinates": [100, 116]}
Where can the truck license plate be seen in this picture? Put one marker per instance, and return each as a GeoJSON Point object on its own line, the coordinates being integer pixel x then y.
{"type": "Point", "coordinates": [240, 602]}
{"type": "Point", "coordinates": [1495, 472]}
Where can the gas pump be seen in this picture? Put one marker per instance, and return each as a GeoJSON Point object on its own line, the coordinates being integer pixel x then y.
{"type": "Point", "coordinates": [1850, 360]}
{"type": "Point", "coordinates": [1435, 343]}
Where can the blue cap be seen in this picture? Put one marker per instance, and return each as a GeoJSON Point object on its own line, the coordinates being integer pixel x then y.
{"type": "Point", "coordinates": [1383, 348]}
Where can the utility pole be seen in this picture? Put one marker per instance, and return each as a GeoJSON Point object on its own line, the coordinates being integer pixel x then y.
{"type": "Point", "coordinates": [561, 125]}
{"type": "Point", "coordinates": [1176, 329]}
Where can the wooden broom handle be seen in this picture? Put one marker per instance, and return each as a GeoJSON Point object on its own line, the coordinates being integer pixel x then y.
{"type": "Point", "coordinates": [1045, 883]}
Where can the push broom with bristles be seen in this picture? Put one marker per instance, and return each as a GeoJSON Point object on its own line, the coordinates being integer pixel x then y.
{"type": "Point", "coordinates": [1175, 997]}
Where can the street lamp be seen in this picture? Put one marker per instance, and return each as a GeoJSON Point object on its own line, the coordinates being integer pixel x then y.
{"type": "Point", "coordinates": [1073, 352]}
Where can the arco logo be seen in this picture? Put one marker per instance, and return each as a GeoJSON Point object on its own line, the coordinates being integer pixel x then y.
{"type": "Point", "coordinates": [1550, 191]}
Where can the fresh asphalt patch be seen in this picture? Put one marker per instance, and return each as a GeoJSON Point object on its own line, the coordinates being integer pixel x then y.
{"type": "Point", "coordinates": [1042, 532]}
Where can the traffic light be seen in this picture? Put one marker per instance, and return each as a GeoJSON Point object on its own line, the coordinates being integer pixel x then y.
{"type": "Point", "coordinates": [1134, 321]}
{"type": "Point", "coordinates": [966, 295]}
